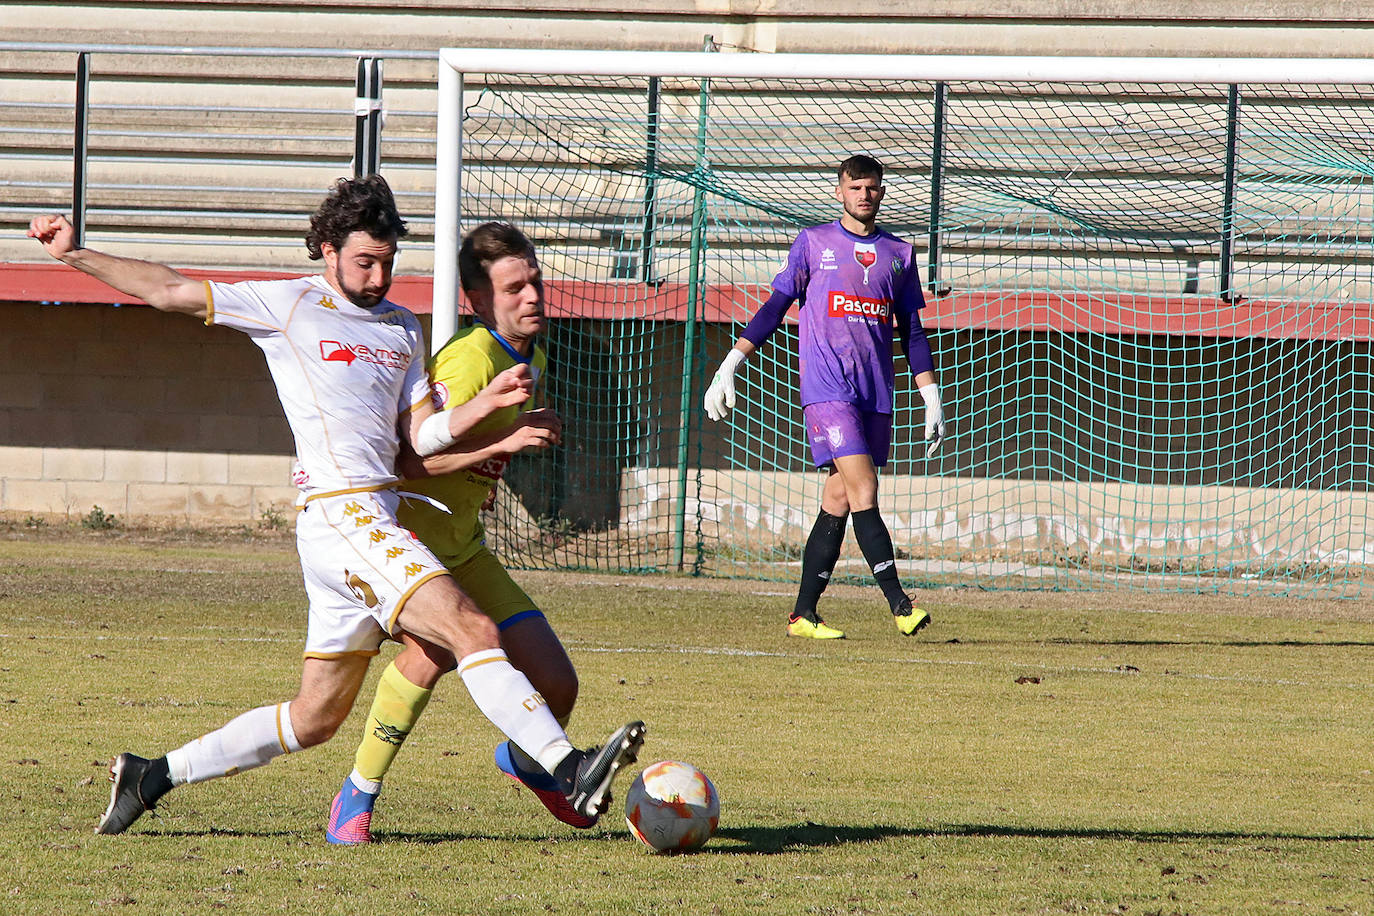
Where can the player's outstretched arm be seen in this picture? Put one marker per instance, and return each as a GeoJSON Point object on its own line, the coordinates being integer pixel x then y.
{"type": "Point", "coordinates": [535, 429]}
{"type": "Point", "coordinates": [431, 433]}
{"type": "Point", "coordinates": [156, 284]}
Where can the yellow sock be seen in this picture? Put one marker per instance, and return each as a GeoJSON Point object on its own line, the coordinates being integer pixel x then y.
{"type": "Point", "coordinates": [394, 712]}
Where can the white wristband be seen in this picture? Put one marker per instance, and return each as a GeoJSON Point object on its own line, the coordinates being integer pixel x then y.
{"type": "Point", "coordinates": [433, 435]}
{"type": "Point", "coordinates": [931, 395]}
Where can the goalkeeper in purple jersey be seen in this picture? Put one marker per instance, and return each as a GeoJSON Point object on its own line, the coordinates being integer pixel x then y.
{"type": "Point", "coordinates": [855, 282]}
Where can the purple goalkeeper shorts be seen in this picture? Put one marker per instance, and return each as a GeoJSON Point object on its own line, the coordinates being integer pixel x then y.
{"type": "Point", "coordinates": [836, 429]}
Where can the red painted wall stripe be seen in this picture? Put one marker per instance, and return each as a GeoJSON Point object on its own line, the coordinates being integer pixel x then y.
{"type": "Point", "coordinates": [1007, 311]}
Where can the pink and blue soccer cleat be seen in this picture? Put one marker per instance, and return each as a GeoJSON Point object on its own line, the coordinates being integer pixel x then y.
{"type": "Point", "coordinates": [350, 817]}
{"type": "Point", "coordinates": [544, 787]}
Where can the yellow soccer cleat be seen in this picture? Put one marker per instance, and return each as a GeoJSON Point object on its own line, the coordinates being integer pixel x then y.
{"type": "Point", "coordinates": [818, 629]}
{"type": "Point", "coordinates": [909, 619]}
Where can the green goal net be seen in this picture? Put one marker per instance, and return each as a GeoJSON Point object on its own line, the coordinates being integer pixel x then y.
{"type": "Point", "coordinates": [1148, 302]}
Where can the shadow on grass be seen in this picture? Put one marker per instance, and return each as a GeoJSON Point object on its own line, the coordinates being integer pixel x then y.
{"type": "Point", "coordinates": [1147, 643]}
{"type": "Point", "coordinates": [212, 833]}
{"type": "Point", "coordinates": [795, 837]}
{"type": "Point", "coordinates": [772, 840]}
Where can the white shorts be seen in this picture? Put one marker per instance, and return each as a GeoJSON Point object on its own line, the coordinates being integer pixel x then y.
{"type": "Point", "coordinates": [360, 567]}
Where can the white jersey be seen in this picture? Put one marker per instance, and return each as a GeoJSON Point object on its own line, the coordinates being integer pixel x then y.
{"type": "Point", "coordinates": [344, 374]}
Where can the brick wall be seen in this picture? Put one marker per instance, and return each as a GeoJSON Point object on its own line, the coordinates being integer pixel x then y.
{"type": "Point", "coordinates": [139, 413]}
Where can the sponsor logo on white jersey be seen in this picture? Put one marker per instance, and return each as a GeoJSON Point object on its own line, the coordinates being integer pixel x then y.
{"type": "Point", "coordinates": [843, 305]}
{"type": "Point", "coordinates": [333, 351]}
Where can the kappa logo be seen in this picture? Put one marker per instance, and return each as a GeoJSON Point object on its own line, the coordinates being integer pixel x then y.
{"type": "Point", "coordinates": [388, 733]}
{"type": "Point", "coordinates": [333, 351]}
{"type": "Point", "coordinates": [846, 306]}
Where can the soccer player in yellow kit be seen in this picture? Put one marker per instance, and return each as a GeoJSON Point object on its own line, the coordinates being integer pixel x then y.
{"type": "Point", "coordinates": [348, 365]}
{"type": "Point", "coordinates": [501, 276]}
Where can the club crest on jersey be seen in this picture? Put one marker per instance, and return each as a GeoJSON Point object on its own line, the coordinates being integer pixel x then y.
{"type": "Point", "coordinates": [438, 395]}
{"type": "Point", "coordinates": [333, 351]}
{"type": "Point", "coordinates": [867, 255]}
{"type": "Point", "coordinates": [843, 305]}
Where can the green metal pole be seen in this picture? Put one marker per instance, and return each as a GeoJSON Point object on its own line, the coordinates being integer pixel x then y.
{"type": "Point", "coordinates": [689, 346]}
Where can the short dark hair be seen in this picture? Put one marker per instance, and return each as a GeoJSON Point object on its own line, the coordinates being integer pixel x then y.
{"type": "Point", "coordinates": [861, 166]}
{"type": "Point", "coordinates": [483, 247]}
{"type": "Point", "coordinates": [354, 204]}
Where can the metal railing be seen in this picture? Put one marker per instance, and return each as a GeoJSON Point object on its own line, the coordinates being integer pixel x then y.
{"type": "Point", "coordinates": [159, 156]}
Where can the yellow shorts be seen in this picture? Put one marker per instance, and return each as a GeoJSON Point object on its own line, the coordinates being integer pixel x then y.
{"type": "Point", "coordinates": [487, 582]}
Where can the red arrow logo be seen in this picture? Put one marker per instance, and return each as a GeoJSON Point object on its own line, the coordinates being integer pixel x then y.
{"type": "Point", "coordinates": [334, 352]}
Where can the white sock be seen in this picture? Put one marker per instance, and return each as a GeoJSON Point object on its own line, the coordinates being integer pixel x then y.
{"type": "Point", "coordinates": [247, 742]}
{"type": "Point", "coordinates": [509, 700]}
{"type": "Point", "coordinates": [370, 786]}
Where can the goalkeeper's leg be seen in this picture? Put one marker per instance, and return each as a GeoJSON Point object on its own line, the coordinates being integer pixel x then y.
{"type": "Point", "coordinates": [818, 563]}
{"type": "Point", "coordinates": [860, 478]}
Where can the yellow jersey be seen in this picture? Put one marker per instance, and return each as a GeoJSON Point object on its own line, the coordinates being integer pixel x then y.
{"type": "Point", "coordinates": [471, 359]}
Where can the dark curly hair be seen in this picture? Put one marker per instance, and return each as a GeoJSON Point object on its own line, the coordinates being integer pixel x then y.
{"type": "Point", "coordinates": [483, 247]}
{"type": "Point", "coordinates": [354, 204]}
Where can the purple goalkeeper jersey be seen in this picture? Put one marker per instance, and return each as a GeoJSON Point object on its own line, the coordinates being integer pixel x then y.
{"type": "Point", "coordinates": [850, 290]}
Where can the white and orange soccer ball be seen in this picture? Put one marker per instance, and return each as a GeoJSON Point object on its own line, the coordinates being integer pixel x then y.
{"type": "Point", "coordinates": [672, 807]}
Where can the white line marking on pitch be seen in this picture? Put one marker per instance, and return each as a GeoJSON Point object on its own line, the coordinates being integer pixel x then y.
{"type": "Point", "coordinates": [949, 662]}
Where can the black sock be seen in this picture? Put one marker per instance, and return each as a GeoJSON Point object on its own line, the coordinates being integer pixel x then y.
{"type": "Point", "coordinates": [156, 782]}
{"type": "Point", "coordinates": [876, 544]}
{"type": "Point", "coordinates": [818, 562]}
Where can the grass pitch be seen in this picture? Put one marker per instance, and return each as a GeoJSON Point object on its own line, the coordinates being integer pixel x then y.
{"type": "Point", "coordinates": [1028, 753]}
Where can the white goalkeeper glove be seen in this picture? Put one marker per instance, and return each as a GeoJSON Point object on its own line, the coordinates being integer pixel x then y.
{"type": "Point", "coordinates": [935, 417]}
{"type": "Point", "coordinates": [720, 396]}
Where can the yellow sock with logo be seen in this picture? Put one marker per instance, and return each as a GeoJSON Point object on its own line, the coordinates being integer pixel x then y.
{"type": "Point", "coordinates": [394, 712]}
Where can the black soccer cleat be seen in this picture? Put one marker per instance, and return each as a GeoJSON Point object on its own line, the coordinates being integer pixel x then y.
{"type": "Point", "coordinates": [126, 794]}
{"type": "Point", "coordinates": [586, 775]}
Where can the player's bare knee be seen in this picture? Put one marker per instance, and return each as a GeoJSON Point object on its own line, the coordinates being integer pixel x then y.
{"type": "Point", "coordinates": [462, 632]}
{"type": "Point", "coordinates": [423, 663]}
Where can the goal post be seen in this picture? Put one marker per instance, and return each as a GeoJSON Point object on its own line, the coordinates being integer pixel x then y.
{"type": "Point", "coordinates": [1149, 288]}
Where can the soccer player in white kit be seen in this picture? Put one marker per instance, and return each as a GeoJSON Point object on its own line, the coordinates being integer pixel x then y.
{"type": "Point", "coordinates": [349, 367]}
